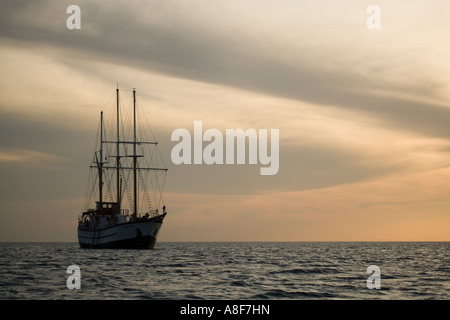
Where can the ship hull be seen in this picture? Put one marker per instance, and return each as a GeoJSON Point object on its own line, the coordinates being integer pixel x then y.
{"type": "Point", "coordinates": [129, 235]}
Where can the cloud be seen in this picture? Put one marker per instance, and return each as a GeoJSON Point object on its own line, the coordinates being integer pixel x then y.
{"type": "Point", "coordinates": [227, 44]}
{"type": "Point", "coordinates": [28, 157]}
{"type": "Point", "coordinates": [321, 146]}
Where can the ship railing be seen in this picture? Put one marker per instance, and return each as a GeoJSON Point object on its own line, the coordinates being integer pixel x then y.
{"type": "Point", "coordinates": [147, 215]}
{"type": "Point", "coordinates": [89, 225]}
{"type": "Point", "coordinates": [154, 213]}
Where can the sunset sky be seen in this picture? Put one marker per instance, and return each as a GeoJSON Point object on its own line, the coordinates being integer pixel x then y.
{"type": "Point", "coordinates": [363, 115]}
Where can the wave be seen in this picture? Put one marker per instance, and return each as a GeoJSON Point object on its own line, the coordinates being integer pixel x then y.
{"type": "Point", "coordinates": [306, 271]}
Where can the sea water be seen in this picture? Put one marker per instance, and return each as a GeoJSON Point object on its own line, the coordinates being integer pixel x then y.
{"type": "Point", "coordinates": [228, 270]}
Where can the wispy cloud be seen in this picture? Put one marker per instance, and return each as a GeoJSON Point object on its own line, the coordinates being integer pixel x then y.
{"type": "Point", "coordinates": [228, 44]}
{"type": "Point", "coordinates": [28, 157]}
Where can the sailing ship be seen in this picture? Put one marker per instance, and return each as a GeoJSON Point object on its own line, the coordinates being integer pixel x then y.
{"type": "Point", "coordinates": [130, 217]}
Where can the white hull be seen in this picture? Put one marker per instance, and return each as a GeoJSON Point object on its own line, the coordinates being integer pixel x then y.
{"type": "Point", "coordinates": [129, 235]}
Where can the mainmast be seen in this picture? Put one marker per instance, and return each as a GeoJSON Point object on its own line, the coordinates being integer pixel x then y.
{"type": "Point", "coordinates": [134, 155]}
{"type": "Point", "coordinates": [100, 163]}
{"type": "Point", "coordinates": [118, 151]}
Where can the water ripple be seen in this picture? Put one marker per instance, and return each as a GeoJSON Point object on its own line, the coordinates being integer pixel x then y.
{"type": "Point", "coordinates": [258, 271]}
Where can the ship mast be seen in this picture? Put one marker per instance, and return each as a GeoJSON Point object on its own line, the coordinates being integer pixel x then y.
{"type": "Point", "coordinates": [134, 155]}
{"type": "Point", "coordinates": [100, 164]}
{"type": "Point", "coordinates": [118, 167]}
{"type": "Point", "coordinates": [118, 151]}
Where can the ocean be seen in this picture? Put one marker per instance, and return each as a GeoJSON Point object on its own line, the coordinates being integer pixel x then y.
{"type": "Point", "coordinates": [228, 271]}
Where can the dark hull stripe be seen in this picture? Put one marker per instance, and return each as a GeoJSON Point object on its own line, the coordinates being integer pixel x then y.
{"type": "Point", "coordinates": [144, 242]}
{"type": "Point", "coordinates": [102, 237]}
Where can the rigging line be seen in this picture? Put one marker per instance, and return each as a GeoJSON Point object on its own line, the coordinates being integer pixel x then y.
{"type": "Point", "coordinates": [143, 124]}
{"type": "Point", "coordinates": [88, 194]}
{"type": "Point", "coordinates": [149, 152]}
{"type": "Point", "coordinates": [88, 191]}
{"type": "Point", "coordinates": [109, 101]}
{"type": "Point", "coordinates": [157, 190]}
{"type": "Point", "coordinates": [106, 130]}
{"type": "Point", "coordinates": [127, 126]}
{"type": "Point", "coordinates": [154, 155]}
{"type": "Point", "coordinates": [150, 199]}
{"type": "Point", "coordinates": [128, 90]}
{"type": "Point", "coordinates": [108, 188]}
{"type": "Point", "coordinates": [154, 190]}
{"type": "Point", "coordinates": [111, 179]}
{"type": "Point", "coordinates": [94, 187]}
{"type": "Point", "coordinates": [147, 194]}
{"type": "Point", "coordinates": [125, 176]}
{"type": "Point", "coordinates": [128, 192]}
{"type": "Point", "coordinates": [143, 117]}
{"type": "Point", "coordinates": [161, 200]}
{"type": "Point", "coordinates": [147, 125]}
{"type": "Point", "coordinates": [143, 186]}
{"type": "Point", "coordinates": [143, 199]}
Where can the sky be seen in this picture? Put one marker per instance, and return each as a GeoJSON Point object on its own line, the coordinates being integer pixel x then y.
{"type": "Point", "coordinates": [363, 114]}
